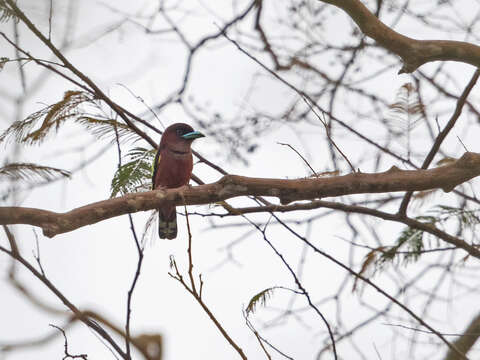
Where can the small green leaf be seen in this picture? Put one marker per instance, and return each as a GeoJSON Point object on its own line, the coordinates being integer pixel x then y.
{"type": "Point", "coordinates": [260, 298]}
{"type": "Point", "coordinates": [135, 174]}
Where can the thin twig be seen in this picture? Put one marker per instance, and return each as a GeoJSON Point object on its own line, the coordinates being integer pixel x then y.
{"type": "Point", "coordinates": [190, 256]}
{"type": "Point", "coordinates": [298, 283]}
{"type": "Point", "coordinates": [50, 16]}
{"type": "Point", "coordinates": [67, 354]}
{"type": "Point", "coordinates": [139, 262]}
{"type": "Point", "coordinates": [78, 314]}
{"type": "Point", "coordinates": [304, 96]}
{"type": "Point", "coordinates": [132, 287]}
{"type": "Point", "coordinates": [37, 254]}
{"type": "Point", "coordinates": [377, 288]}
{"type": "Point", "coordinates": [429, 332]}
{"type": "Point", "coordinates": [301, 156]}
{"type": "Point", "coordinates": [197, 295]}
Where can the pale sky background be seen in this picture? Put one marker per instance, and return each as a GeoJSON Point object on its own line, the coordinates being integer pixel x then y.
{"type": "Point", "coordinates": [94, 266]}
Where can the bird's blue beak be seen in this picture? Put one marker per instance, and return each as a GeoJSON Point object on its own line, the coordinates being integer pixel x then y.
{"type": "Point", "coordinates": [193, 135]}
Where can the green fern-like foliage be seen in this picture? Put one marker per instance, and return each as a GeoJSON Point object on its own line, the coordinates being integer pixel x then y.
{"type": "Point", "coordinates": [411, 241]}
{"type": "Point", "coordinates": [31, 173]}
{"type": "Point", "coordinates": [467, 219]}
{"type": "Point", "coordinates": [135, 174]}
{"type": "Point", "coordinates": [259, 299]}
{"type": "Point", "coordinates": [6, 13]}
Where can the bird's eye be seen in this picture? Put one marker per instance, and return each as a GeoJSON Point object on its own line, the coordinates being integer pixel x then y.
{"type": "Point", "coordinates": [179, 132]}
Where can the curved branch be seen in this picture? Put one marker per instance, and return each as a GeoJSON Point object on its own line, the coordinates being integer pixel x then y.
{"type": "Point", "coordinates": [229, 186]}
{"type": "Point", "coordinates": [413, 52]}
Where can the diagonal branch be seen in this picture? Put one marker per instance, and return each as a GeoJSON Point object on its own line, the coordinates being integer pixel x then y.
{"type": "Point", "coordinates": [81, 316]}
{"type": "Point", "coordinates": [413, 52]}
{"type": "Point", "coordinates": [229, 186]}
{"type": "Point", "coordinates": [442, 135]}
{"type": "Point", "coordinates": [466, 341]}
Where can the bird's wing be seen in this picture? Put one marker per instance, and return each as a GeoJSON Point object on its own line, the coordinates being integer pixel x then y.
{"type": "Point", "coordinates": [156, 165]}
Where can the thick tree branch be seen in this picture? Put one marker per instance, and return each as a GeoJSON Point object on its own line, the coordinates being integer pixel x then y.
{"type": "Point", "coordinates": [229, 186]}
{"type": "Point", "coordinates": [414, 53]}
{"type": "Point", "coordinates": [465, 342]}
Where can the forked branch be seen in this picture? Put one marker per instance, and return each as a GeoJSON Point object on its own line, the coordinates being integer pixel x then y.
{"type": "Point", "coordinates": [413, 52]}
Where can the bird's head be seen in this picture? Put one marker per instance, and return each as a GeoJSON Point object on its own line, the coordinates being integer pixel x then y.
{"type": "Point", "coordinates": [179, 137]}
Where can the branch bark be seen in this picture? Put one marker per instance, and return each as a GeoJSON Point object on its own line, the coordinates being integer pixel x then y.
{"type": "Point", "coordinates": [229, 186]}
{"type": "Point", "coordinates": [465, 342]}
{"type": "Point", "coordinates": [413, 52]}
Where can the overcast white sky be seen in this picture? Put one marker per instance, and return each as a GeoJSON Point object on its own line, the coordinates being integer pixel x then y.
{"type": "Point", "coordinates": [94, 266]}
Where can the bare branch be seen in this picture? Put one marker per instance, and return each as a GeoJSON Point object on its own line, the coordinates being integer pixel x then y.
{"type": "Point", "coordinates": [67, 354]}
{"type": "Point", "coordinates": [414, 53]}
{"type": "Point", "coordinates": [467, 339]}
{"type": "Point", "coordinates": [81, 316]}
{"type": "Point", "coordinates": [197, 295]}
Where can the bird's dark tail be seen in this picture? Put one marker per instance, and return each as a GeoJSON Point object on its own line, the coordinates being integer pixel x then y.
{"type": "Point", "coordinates": [167, 222]}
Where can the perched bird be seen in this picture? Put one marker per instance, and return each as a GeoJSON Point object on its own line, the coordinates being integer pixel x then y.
{"type": "Point", "coordinates": [173, 168]}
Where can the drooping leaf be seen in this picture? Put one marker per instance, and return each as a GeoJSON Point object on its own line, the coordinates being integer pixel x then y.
{"type": "Point", "coordinates": [6, 13]}
{"type": "Point", "coordinates": [466, 218]}
{"type": "Point", "coordinates": [409, 236]}
{"type": "Point", "coordinates": [369, 262]}
{"type": "Point", "coordinates": [53, 117]}
{"type": "Point", "coordinates": [260, 298]}
{"type": "Point", "coordinates": [107, 128]}
{"type": "Point", "coordinates": [149, 229]}
{"type": "Point", "coordinates": [31, 172]}
{"type": "Point", "coordinates": [135, 174]}
{"type": "Point", "coordinates": [406, 113]}
{"type": "Point", "coordinates": [414, 240]}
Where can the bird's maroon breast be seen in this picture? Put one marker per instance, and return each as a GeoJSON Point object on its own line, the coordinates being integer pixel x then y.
{"type": "Point", "coordinates": [173, 171]}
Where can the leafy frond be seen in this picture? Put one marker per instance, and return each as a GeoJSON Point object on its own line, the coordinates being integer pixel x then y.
{"type": "Point", "coordinates": [413, 238]}
{"type": "Point", "coordinates": [406, 113]}
{"type": "Point", "coordinates": [260, 298]}
{"type": "Point", "coordinates": [410, 237]}
{"type": "Point", "coordinates": [6, 13]}
{"type": "Point", "coordinates": [466, 218]}
{"type": "Point", "coordinates": [407, 101]}
{"type": "Point", "coordinates": [105, 128]}
{"type": "Point", "coordinates": [31, 172]}
{"type": "Point", "coordinates": [53, 117]}
{"type": "Point", "coordinates": [135, 174]}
